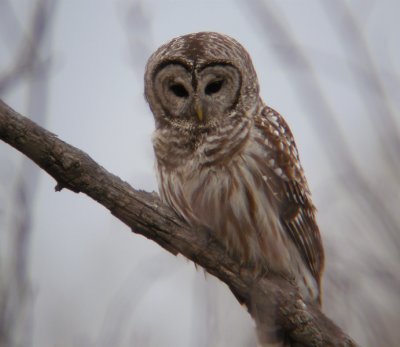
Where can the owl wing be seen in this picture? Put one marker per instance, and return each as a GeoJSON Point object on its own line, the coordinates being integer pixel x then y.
{"type": "Point", "coordinates": [290, 188]}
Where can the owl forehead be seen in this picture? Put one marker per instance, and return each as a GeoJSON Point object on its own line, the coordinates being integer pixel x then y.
{"type": "Point", "coordinates": [199, 49]}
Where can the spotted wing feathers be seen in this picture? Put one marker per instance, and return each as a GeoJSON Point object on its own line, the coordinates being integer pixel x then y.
{"type": "Point", "coordinates": [296, 210]}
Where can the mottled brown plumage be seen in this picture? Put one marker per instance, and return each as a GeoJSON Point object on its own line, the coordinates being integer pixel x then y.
{"type": "Point", "coordinates": [227, 161]}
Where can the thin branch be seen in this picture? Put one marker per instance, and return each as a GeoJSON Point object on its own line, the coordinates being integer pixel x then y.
{"type": "Point", "coordinates": [16, 293]}
{"type": "Point", "coordinates": [27, 58]}
{"type": "Point", "coordinates": [270, 299]}
{"type": "Point", "coordinates": [367, 78]}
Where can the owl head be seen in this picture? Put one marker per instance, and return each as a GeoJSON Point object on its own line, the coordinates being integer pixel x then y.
{"type": "Point", "coordinates": [200, 81]}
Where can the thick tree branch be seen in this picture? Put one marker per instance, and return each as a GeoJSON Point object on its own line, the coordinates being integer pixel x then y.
{"type": "Point", "coordinates": [269, 298]}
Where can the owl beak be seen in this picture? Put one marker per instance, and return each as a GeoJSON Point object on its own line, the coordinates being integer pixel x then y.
{"type": "Point", "coordinates": [199, 112]}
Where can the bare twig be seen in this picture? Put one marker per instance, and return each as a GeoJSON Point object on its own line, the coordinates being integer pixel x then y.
{"type": "Point", "coordinates": [368, 81]}
{"type": "Point", "coordinates": [268, 298]}
{"type": "Point", "coordinates": [27, 58]}
{"type": "Point", "coordinates": [15, 294]}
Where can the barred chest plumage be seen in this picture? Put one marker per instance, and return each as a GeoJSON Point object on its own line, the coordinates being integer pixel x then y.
{"type": "Point", "coordinates": [220, 182]}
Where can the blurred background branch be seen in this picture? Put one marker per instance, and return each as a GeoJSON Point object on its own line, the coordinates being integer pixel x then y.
{"type": "Point", "coordinates": [30, 66]}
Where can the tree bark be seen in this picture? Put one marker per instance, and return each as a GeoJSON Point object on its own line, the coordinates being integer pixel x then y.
{"type": "Point", "coordinates": [270, 298]}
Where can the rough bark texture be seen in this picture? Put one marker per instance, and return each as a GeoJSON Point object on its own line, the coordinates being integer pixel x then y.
{"type": "Point", "coordinates": [269, 298]}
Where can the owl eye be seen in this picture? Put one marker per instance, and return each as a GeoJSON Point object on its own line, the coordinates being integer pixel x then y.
{"type": "Point", "coordinates": [179, 90]}
{"type": "Point", "coordinates": [213, 87]}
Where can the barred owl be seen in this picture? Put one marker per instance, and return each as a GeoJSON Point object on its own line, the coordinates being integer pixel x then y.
{"type": "Point", "coordinates": [227, 161]}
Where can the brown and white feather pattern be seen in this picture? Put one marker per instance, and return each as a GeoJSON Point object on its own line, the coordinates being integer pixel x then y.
{"type": "Point", "coordinates": [296, 211]}
{"type": "Point", "coordinates": [245, 183]}
{"type": "Point", "coordinates": [227, 162]}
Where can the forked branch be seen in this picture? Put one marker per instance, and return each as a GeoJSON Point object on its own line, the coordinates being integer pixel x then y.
{"type": "Point", "coordinates": [269, 298]}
